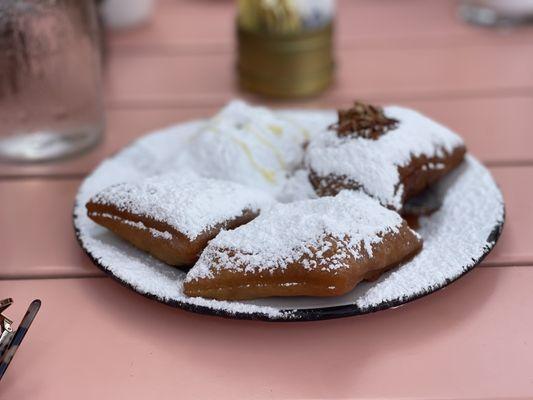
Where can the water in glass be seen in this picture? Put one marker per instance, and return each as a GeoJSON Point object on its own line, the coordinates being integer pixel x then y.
{"type": "Point", "coordinates": [50, 79]}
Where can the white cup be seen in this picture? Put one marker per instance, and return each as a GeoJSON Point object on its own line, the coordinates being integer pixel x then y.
{"type": "Point", "coordinates": [119, 14]}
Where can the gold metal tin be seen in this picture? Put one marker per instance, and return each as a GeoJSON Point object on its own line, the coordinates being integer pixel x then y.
{"type": "Point", "coordinates": [286, 65]}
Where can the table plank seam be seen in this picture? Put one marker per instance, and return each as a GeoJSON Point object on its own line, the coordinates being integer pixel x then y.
{"type": "Point", "coordinates": [95, 275]}
{"type": "Point", "coordinates": [518, 163]}
{"type": "Point", "coordinates": [51, 176]}
{"type": "Point", "coordinates": [99, 275]}
{"type": "Point", "coordinates": [214, 101]}
{"type": "Point", "coordinates": [342, 43]}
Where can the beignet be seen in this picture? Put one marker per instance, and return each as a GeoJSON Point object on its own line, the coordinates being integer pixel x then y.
{"type": "Point", "coordinates": [392, 154]}
{"type": "Point", "coordinates": [250, 145]}
{"type": "Point", "coordinates": [173, 216]}
{"type": "Point", "coordinates": [321, 247]}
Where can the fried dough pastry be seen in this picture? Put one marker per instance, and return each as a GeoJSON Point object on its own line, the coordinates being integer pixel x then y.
{"type": "Point", "coordinates": [321, 247]}
{"type": "Point", "coordinates": [392, 154]}
{"type": "Point", "coordinates": [250, 145]}
{"type": "Point", "coordinates": [173, 216]}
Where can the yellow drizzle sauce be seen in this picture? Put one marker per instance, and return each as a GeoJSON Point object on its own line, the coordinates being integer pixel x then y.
{"type": "Point", "coordinates": [268, 144]}
{"type": "Point", "coordinates": [276, 130]}
{"type": "Point", "coordinates": [269, 175]}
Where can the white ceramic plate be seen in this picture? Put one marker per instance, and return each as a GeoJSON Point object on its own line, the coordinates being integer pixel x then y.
{"type": "Point", "coordinates": [456, 238]}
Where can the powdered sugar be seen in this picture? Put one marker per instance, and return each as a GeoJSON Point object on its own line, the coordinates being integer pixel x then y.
{"type": "Point", "coordinates": [297, 187]}
{"type": "Point", "coordinates": [139, 225]}
{"type": "Point", "coordinates": [283, 233]}
{"type": "Point", "coordinates": [185, 201]}
{"type": "Point", "coordinates": [374, 163]}
{"type": "Point", "coordinates": [454, 238]}
{"type": "Point", "coordinates": [249, 145]}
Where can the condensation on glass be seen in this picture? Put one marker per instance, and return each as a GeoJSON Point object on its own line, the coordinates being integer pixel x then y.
{"type": "Point", "coordinates": [50, 79]}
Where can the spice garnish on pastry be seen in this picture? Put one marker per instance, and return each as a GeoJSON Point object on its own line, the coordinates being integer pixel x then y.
{"type": "Point", "coordinates": [363, 120]}
{"type": "Point", "coordinates": [321, 247]}
{"type": "Point", "coordinates": [173, 216]}
{"type": "Point", "coordinates": [391, 153]}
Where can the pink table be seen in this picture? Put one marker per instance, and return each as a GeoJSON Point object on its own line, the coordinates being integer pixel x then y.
{"type": "Point", "coordinates": [95, 339]}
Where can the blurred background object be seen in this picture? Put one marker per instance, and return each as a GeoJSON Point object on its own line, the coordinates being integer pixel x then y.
{"type": "Point", "coordinates": [497, 12]}
{"type": "Point", "coordinates": [50, 79]}
{"type": "Point", "coordinates": [6, 330]}
{"type": "Point", "coordinates": [119, 14]}
{"type": "Point", "coordinates": [285, 47]}
{"type": "Point", "coordinates": [11, 340]}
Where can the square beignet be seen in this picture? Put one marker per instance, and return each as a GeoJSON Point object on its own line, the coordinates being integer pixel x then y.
{"type": "Point", "coordinates": [173, 216]}
{"type": "Point", "coordinates": [392, 154]}
{"type": "Point", "coordinates": [321, 247]}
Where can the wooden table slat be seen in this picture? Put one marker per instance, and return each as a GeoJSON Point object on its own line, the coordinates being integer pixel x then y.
{"type": "Point", "coordinates": [390, 74]}
{"type": "Point", "coordinates": [415, 23]}
{"type": "Point", "coordinates": [94, 339]}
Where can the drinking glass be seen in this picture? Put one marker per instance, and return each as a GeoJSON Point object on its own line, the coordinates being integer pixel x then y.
{"type": "Point", "coordinates": [50, 79]}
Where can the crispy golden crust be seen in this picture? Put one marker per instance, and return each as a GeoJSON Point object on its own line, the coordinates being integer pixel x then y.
{"type": "Point", "coordinates": [158, 238]}
{"type": "Point", "coordinates": [415, 176]}
{"type": "Point", "coordinates": [296, 280]}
